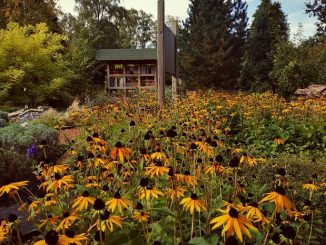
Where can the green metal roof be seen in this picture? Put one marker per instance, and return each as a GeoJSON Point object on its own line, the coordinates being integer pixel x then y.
{"type": "Point", "coordinates": [126, 54]}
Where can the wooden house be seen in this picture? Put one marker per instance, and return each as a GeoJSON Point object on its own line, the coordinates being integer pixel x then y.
{"type": "Point", "coordinates": [129, 68]}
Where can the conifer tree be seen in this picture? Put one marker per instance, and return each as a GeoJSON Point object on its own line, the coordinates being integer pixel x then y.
{"type": "Point", "coordinates": [268, 28]}
{"type": "Point", "coordinates": [317, 8]}
{"type": "Point", "coordinates": [212, 41]}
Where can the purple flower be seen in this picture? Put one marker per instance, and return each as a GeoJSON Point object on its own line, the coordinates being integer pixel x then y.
{"type": "Point", "coordinates": [31, 151]}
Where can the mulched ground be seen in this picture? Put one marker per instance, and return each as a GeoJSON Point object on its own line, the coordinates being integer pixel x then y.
{"type": "Point", "coordinates": [67, 135]}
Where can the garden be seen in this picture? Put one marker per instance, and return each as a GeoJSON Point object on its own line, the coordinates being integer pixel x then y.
{"type": "Point", "coordinates": [212, 167]}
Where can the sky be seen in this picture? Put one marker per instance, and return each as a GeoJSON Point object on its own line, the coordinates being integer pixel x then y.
{"type": "Point", "coordinates": [293, 8]}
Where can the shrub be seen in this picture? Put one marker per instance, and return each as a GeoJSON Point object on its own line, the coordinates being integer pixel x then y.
{"type": "Point", "coordinates": [18, 138]}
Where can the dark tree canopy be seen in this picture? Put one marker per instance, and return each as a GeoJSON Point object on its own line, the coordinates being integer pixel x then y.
{"type": "Point", "coordinates": [212, 42]}
{"type": "Point", "coordinates": [268, 28]}
{"type": "Point", "coordinates": [30, 12]}
{"type": "Point", "coordinates": [317, 8]}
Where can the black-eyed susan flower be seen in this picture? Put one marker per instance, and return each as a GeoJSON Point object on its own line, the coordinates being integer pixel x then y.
{"type": "Point", "coordinates": [59, 182]}
{"type": "Point", "coordinates": [82, 202]}
{"type": "Point", "coordinates": [68, 220]}
{"type": "Point", "coordinates": [278, 141]}
{"type": "Point", "coordinates": [4, 230]}
{"type": "Point", "coordinates": [119, 152]}
{"type": "Point", "coordinates": [51, 220]}
{"type": "Point", "coordinates": [234, 223]}
{"type": "Point", "coordinates": [156, 169]}
{"type": "Point", "coordinates": [148, 192]}
{"type": "Point", "coordinates": [175, 193]}
{"type": "Point", "coordinates": [279, 198]}
{"type": "Point", "coordinates": [288, 232]}
{"type": "Point", "coordinates": [118, 202]}
{"type": "Point", "coordinates": [215, 168]}
{"type": "Point", "coordinates": [310, 186]}
{"type": "Point", "coordinates": [12, 187]}
{"type": "Point", "coordinates": [76, 239]}
{"type": "Point", "coordinates": [107, 222]}
{"type": "Point", "coordinates": [193, 203]}
{"type": "Point", "coordinates": [248, 160]}
{"type": "Point", "coordinates": [253, 213]}
{"type": "Point", "coordinates": [141, 216]}
{"type": "Point", "coordinates": [52, 237]}
{"type": "Point", "coordinates": [189, 179]}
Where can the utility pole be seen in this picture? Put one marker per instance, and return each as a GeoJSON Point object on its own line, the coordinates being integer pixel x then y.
{"type": "Point", "coordinates": [160, 51]}
{"type": "Point", "coordinates": [175, 78]}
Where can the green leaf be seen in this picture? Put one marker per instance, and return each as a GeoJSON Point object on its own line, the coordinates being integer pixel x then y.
{"type": "Point", "coordinates": [199, 241]}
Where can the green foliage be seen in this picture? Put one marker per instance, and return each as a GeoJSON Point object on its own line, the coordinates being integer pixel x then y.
{"type": "Point", "coordinates": [32, 68]}
{"type": "Point", "coordinates": [30, 12]}
{"type": "Point", "coordinates": [297, 66]}
{"type": "Point", "coordinates": [3, 118]}
{"type": "Point", "coordinates": [212, 43]}
{"type": "Point", "coordinates": [268, 28]}
{"type": "Point", "coordinates": [18, 138]}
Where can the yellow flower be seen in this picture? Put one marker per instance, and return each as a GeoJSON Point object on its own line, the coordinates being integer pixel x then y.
{"type": "Point", "coordinates": [120, 152]}
{"type": "Point", "coordinates": [189, 179]}
{"type": "Point", "coordinates": [279, 198]}
{"type": "Point", "coordinates": [147, 192]}
{"type": "Point", "coordinates": [235, 224]}
{"type": "Point", "coordinates": [4, 231]}
{"type": "Point", "coordinates": [118, 202]}
{"type": "Point", "coordinates": [12, 187]}
{"type": "Point", "coordinates": [310, 187]}
{"type": "Point", "coordinates": [253, 213]}
{"type": "Point", "coordinates": [75, 239]}
{"type": "Point", "coordinates": [193, 203]}
{"type": "Point", "coordinates": [158, 155]}
{"type": "Point", "coordinates": [248, 160]}
{"type": "Point", "coordinates": [59, 182]}
{"type": "Point", "coordinates": [141, 216]}
{"type": "Point", "coordinates": [278, 141]}
{"type": "Point", "coordinates": [156, 170]}
{"type": "Point", "coordinates": [175, 193]}
{"type": "Point", "coordinates": [68, 220]}
{"type": "Point", "coordinates": [52, 237]}
{"type": "Point", "coordinates": [215, 168]}
{"type": "Point", "coordinates": [82, 202]}
{"type": "Point", "coordinates": [107, 222]}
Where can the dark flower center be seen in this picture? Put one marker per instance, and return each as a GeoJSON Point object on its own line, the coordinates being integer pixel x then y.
{"type": "Point", "coordinates": [219, 158]}
{"type": "Point", "coordinates": [149, 188]}
{"type": "Point", "coordinates": [51, 237]}
{"type": "Point", "coordinates": [89, 139]}
{"type": "Point", "coordinates": [186, 172]}
{"type": "Point", "coordinates": [12, 217]}
{"type": "Point", "coordinates": [106, 188]}
{"type": "Point", "coordinates": [314, 176]}
{"type": "Point", "coordinates": [57, 176]}
{"type": "Point", "coordinates": [193, 146]}
{"type": "Point", "coordinates": [281, 171]}
{"type": "Point", "coordinates": [288, 232]}
{"type": "Point", "coordinates": [105, 215]}
{"type": "Point", "coordinates": [280, 190]}
{"type": "Point", "coordinates": [307, 202]}
{"type": "Point", "coordinates": [117, 195]}
{"type": "Point", "coordinates": [85, 194]}
{"type": "Point", "coordinates": [233, 213]}
{"type": "Point", "coordinates": [118, 144]}
{"type": "Point", "coordinates": [231, 241]}
{"type": "Point", "coordinates": [95, 135]}
{"type": "Point", "coordinates": [254, 204]}
{"type": "Point", "coordinates": [80, 158]}
{"type": "Point", "coordinates": [99, 204]}
{"type": "Point", "coordinates": [143, 151]}
{"type": "Point", "coordinates": [234, 163]}
{"type": "Point", "coordinates": [66, 215]}
{"type": "Point", "coordinates": [170, 173]}
{"type": "Point", "coordinates": [70, 233]}
{"type": "Point", "coordinates": [159, 164]}
{"type": "Point", "coordinates": [276, 238]}
{"type": "Point", "coordinates": [193, 196]}
{"type": "Point", "coordinates": [144, 182]}
{"type": "Point", "coordinates": [139, 206]}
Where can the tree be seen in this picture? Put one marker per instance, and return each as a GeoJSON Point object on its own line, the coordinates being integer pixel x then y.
{"type": "Point", "coordinates": [32, 68]}
{"type": "Point", "coordinates": [317, 8]}
{"type": "Point", "coordinates": [30, 12]}
{"type": "Point", "coordinates": [212, 40]}
{"type": "Point", "coordinates": [268, 28]}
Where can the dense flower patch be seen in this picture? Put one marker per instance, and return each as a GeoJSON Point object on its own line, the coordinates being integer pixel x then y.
{"type": "Point", "coordinates": [182, 174]}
